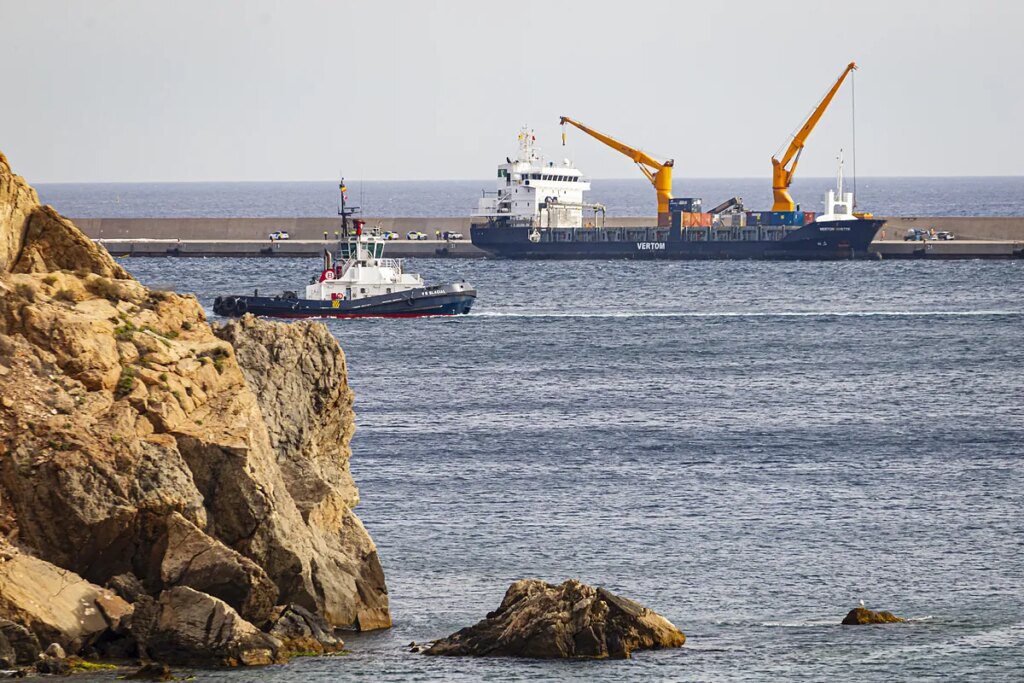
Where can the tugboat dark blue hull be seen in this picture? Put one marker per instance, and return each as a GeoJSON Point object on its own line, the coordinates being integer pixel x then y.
{"type": "Point", "coordinates": [424, 301]}
{"type": "Point", "coordinates": [827, 240]}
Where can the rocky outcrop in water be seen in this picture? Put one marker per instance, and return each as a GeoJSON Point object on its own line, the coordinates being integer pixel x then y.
{"type": "Point", "coordinates": [860, 616]}
{"type": "Point", "coordinates": [197, 471]}
{"type": "Point", "coordinates": [572, 620]}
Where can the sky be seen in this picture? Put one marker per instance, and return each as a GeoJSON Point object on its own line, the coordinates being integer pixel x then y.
{"type": "Point", "coordinates": [218, 90]}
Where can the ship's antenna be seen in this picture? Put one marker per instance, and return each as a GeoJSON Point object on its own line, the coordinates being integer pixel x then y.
{"type": "Point", "coordinates": [839, 174]}
{"type": "Point", "coordinates": [853, 115]}
{"type": "Point", "coordinates": [341, 206]}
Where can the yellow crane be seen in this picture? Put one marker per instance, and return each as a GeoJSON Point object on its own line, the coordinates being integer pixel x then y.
{"type": "Point", "coordinates": [782, 176]}
{"type": "Point", "coordinates": [660, 174]}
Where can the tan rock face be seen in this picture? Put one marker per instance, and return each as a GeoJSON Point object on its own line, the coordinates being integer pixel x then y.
{"type": "Point", "coordinates": [192, 627]}
{"type": "Point", "coordinates": [572, 620]}
{"type": "Point", "coordinates": [57, 605]}
{"type": "Point", "coordinates": [18, 201]}
{"type": "Point", "coordinates": [134, 440]}
{"type": "Point", "coordinates": [298, 374]}
{"type": "Point", "coordinates": [299, 377]}
{"type": "Point", "coordinates": [192, 558]}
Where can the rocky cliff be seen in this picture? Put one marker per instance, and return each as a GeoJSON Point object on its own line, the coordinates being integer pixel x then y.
{"type": "Point", "coordinates": [206, 469]}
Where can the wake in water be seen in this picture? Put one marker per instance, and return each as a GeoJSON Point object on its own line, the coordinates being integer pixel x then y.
{"type": "Point", "coordinates": [740, 314]}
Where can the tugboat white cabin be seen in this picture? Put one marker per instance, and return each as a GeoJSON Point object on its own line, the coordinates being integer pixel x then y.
{"type": "Point", "coordinates": [361, 271]}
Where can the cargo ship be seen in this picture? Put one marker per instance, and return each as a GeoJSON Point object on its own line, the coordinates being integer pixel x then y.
{"type": "Point", "coordinates": [538, 211]}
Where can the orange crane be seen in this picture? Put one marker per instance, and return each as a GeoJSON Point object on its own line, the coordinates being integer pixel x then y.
{"type": "Point", "coordinates": [782, 176]}
{"type": "Point", "coordinates": [660, 174]}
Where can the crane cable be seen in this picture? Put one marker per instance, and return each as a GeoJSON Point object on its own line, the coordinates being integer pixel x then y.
{"type": "Point", "coordinates": [792, 134]}
{"type": "Point", "coordinates": [853, 116]}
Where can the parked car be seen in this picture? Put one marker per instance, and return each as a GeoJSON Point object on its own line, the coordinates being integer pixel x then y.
{"type": "Point", "coordinates": [452, 235]}
{"type": "Point", "coordinates": [416, 235]}
{"type": "Point", "coordinates": [945, 235]}
{"type": "Point", "coordinates": [916, 235]}
{"type": "Point", "coordinates": [390, 235]}
{"type": "Point", "coordinates": [279, 235]}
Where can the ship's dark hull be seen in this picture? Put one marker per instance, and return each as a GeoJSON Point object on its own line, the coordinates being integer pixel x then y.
{"type": "Point", "coordinates": [827, 240]}
{"type": "Point", "coordinates": [414, 303]}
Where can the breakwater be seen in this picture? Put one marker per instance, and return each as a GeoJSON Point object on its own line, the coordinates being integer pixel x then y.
{"type": "Point", "coordinates": [256, 229]}
{"type": "Point", "coordinates": [977, 237]}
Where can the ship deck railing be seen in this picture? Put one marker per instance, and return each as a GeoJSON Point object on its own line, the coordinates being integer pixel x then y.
{"type": "Point", "coordinates": [754, 233]}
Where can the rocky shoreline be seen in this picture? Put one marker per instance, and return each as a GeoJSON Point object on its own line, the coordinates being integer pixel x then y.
{"type": "Point", "coordinates": [168, 489]}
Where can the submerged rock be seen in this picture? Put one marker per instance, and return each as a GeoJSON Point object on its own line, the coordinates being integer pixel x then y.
{"type": "Point", "coordinates": [572, 620]}
{"type": "Point", "coordinates": [859, 616]}
{"type": "Point", "coordinates": [154, 671]}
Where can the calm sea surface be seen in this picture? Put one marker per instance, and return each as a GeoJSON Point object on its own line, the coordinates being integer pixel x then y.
{"type": "Point", "coordinates": [749, 448]}
{"type": "Point", "coordinates": [1001, 196]}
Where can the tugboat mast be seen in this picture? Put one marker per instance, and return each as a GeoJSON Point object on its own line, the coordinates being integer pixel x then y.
{"type": "Point", "coordinates": [343, 210]}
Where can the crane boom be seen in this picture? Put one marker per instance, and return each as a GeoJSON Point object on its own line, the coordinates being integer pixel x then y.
{"type": "Point", "coordinates": [782, 177]}
{"type": "Point", "coordinates": [659, 173]}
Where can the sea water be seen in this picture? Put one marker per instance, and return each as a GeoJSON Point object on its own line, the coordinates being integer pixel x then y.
{"type": "Point", "coordinates": [748, 448]}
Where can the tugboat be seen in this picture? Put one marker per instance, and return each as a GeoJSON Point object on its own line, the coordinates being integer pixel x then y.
{"type": "Point", "coordinates": [360, 283]}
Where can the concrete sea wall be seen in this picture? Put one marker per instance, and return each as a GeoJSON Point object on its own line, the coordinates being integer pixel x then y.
{"type": "Point", "coordinates": [977, 237]}
{"type": "Point", "coordinates": [255, 229]}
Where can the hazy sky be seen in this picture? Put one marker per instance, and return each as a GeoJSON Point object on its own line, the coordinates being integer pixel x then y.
{"type": "Point", "coordinates": [112, 90]}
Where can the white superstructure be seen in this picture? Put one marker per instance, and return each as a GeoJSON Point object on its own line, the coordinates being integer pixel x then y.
{"type": "Point", "coordinates": [361, 272]}
{"type": "Point", "coordinates": [533, 191]}
{"type": "Point", "coordinates": [838, 204]}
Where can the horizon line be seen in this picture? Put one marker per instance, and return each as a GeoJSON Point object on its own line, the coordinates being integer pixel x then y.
{"type": "Point", "coordinates": [461, 180]}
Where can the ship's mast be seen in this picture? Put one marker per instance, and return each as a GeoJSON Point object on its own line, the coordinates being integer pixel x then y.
{"type": "Point", "coordinates": [839, 174]}
{"type": "Point", "coordinates": [343, 210]}
{"type": "Point", "coordinates": [527, 152]}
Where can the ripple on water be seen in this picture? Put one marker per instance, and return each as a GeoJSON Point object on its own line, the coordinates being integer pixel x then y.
{"type": "Point", "coordinates": [749, 448]}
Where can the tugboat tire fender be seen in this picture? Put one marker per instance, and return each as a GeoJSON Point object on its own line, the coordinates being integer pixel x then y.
{"type": "Point", "coordinates": [241, 306]}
